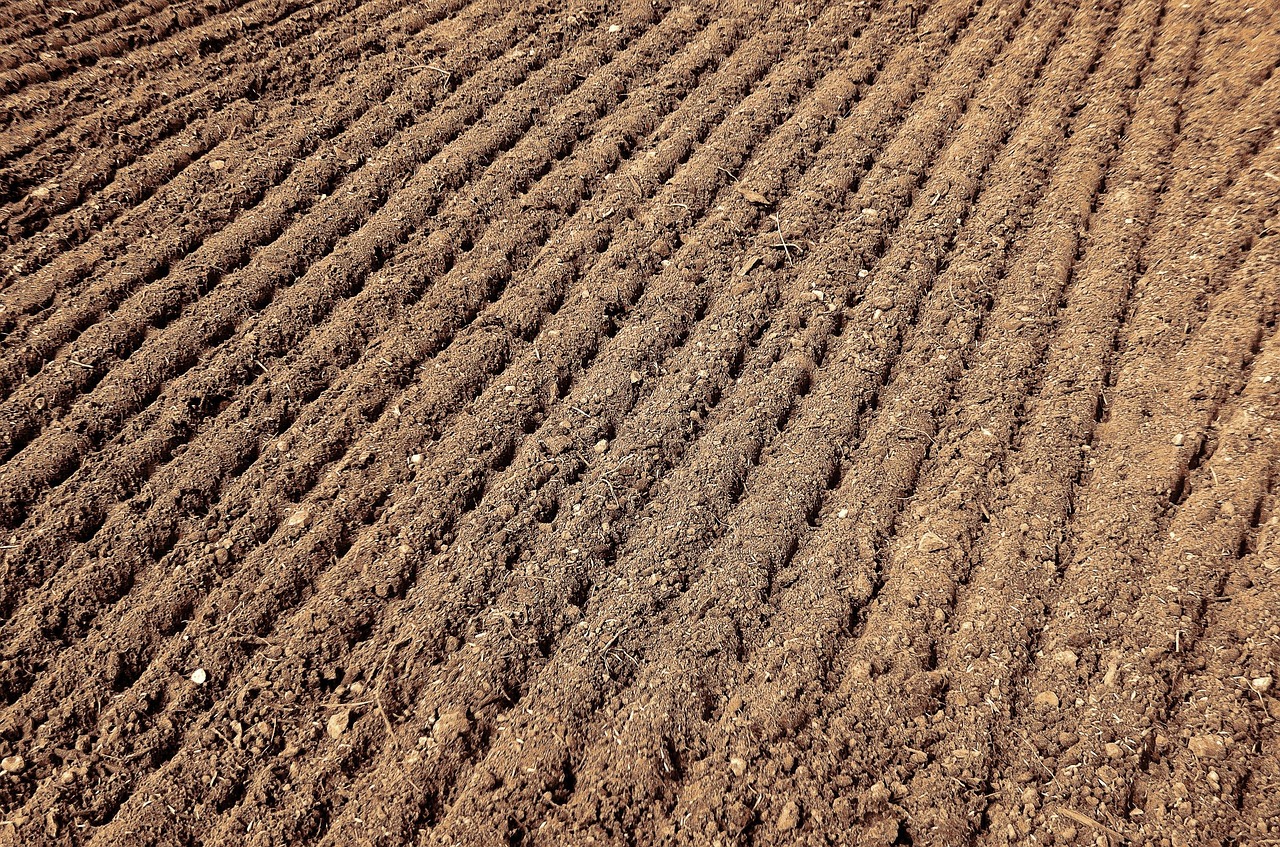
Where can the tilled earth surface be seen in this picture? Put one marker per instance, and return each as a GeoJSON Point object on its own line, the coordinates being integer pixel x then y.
{"type": "Point", "coordinates": [635, 421]}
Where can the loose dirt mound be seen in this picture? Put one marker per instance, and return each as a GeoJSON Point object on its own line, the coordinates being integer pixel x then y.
{"type": "Point", "coordinates": [479, 422]}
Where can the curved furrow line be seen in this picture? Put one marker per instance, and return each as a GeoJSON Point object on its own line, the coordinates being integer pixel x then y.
{"type": "Point", "coordinates": [1223, 251]}
{"type": "Point", "coordinates": [468, 422]}
{"type": "Point", "coordinates": [989, 648]}
{"type": "Point", "coordinates": [818, 607]}
{"type": "Point", "coordinates": [646, 242]}
{"type": "Point", "coordinates": [1220, 153]}
{"type": "Point", "coordinates": [56, 79]}
{"type": "Point", "coordinates": [570, 323]}
{"type": "Point", "coordinates": [21, 16]}
{"type": "Point", "coordinates": [99, 189]}
{"type": "Point", "coordinates": [460, 223]}
{"type": "Point", "coordinates": [649, 435]}
{"type": "Point", "coordinates": [1002, 614]}
{"type": "Point", "coordinates": [475, 423]}
{"type": "Point", "coordinates": [306, 262]}
{"type": "Point", "coordinates": [156, 108]}
{"type": "Point", "coordinates": [1245, 39]}
{"type": "Point", "coordinates": [277, 186]}
{"type": "Point", "coordinates": [965, 718]}
{"type": "Point", "coordinates": [768, 723]}
{"type": "Point", "coordinates": [444, 311]}
{"type": "Point", "coordinates": [1222, 732]}
{"type": "Point", "coordinates": [1117, 694]}
{"type": "Point", "coordinates": [1040, 544]}
{"type": "Point", "coordinates": [16, 54]}
{"type": "Point", "coordinates": [903, 565]}
{"type": "Point", "coordinates": [671, 157]}
{"type": "Point", "coordinates": [639, 568]}
{"type": "Point", "coordinates": [1044, 746]}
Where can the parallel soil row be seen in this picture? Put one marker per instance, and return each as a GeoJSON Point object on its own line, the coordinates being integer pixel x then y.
{"type": "Point", "coordinates": [635, 422]}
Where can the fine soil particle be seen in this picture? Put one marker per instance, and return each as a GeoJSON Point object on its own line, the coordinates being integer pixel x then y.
{"type": "Point", "coordinates": [636, 422]}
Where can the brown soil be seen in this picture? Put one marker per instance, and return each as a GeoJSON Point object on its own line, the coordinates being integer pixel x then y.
{"type": "Point", "coordinates": [629, 422]}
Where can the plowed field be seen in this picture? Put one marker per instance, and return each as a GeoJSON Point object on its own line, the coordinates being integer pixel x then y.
{"type": "Point", "coordinates": [639, 422]}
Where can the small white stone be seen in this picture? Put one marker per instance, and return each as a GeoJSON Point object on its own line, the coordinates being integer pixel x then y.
{"type": "Point", "coordinates": [200, 676]}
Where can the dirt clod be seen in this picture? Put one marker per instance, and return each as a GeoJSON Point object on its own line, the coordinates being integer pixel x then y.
{"type": "Point", "coordinates": [337, 724]}
{"type": "Point", "coordinates": [453, 724]}
{"type": "Point", "coordinates": [789, 817]}
{"type": "Point", "coordinates": [931, 542]}
{"type": "Point", "coordinates": [1207, 746]}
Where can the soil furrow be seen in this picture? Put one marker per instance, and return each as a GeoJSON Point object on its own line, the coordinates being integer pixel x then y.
{"type": "Point", "coordinates": [249, 207]}
{"type": "Point", "coordinates": [26, 18]}
{"type": "Point", "coordinates": [765, 717]}
{"type": "Point", "coordinates": [14, 54]}
{"type": "Point", "coordinates": [316, 266]}
{"type": "Point", "coordinates": [669, 564]}
{"type": "Point", "coordinates": [1222, 733]}
{"type": "Point", "coordinates": [67, 59]}
{"type": "Point", "coordinates": [99, 189]}
{"type": "Point", "coordinates": [1126, 681]}
{"type": "Point", "coordinates": [969, 704]}
{"type": "Point", "coordinates": [1064, 419]}
{"type": "Point", "coordinates": [475, 422]}
{"type": "Point", "coordinates": [670, 156]}
{"type": "Point", "coordinates": [159, 106]}
{"type": "Point", "coordinates": [711, 168]}
{"type": "Point", "coordinates": [29, 90]}
{"type": "Point", "coordinates": [893, 677]}
{"type": "Point", "coordinates": [587, 508]}
{"type": "Point", "coordinates": [483, 193]}
{"type": "Point", "coordinates": [313, 360]}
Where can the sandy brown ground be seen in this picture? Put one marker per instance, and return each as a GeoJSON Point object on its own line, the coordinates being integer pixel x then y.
{"type": "Point", "coordinates": [639, 422]}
